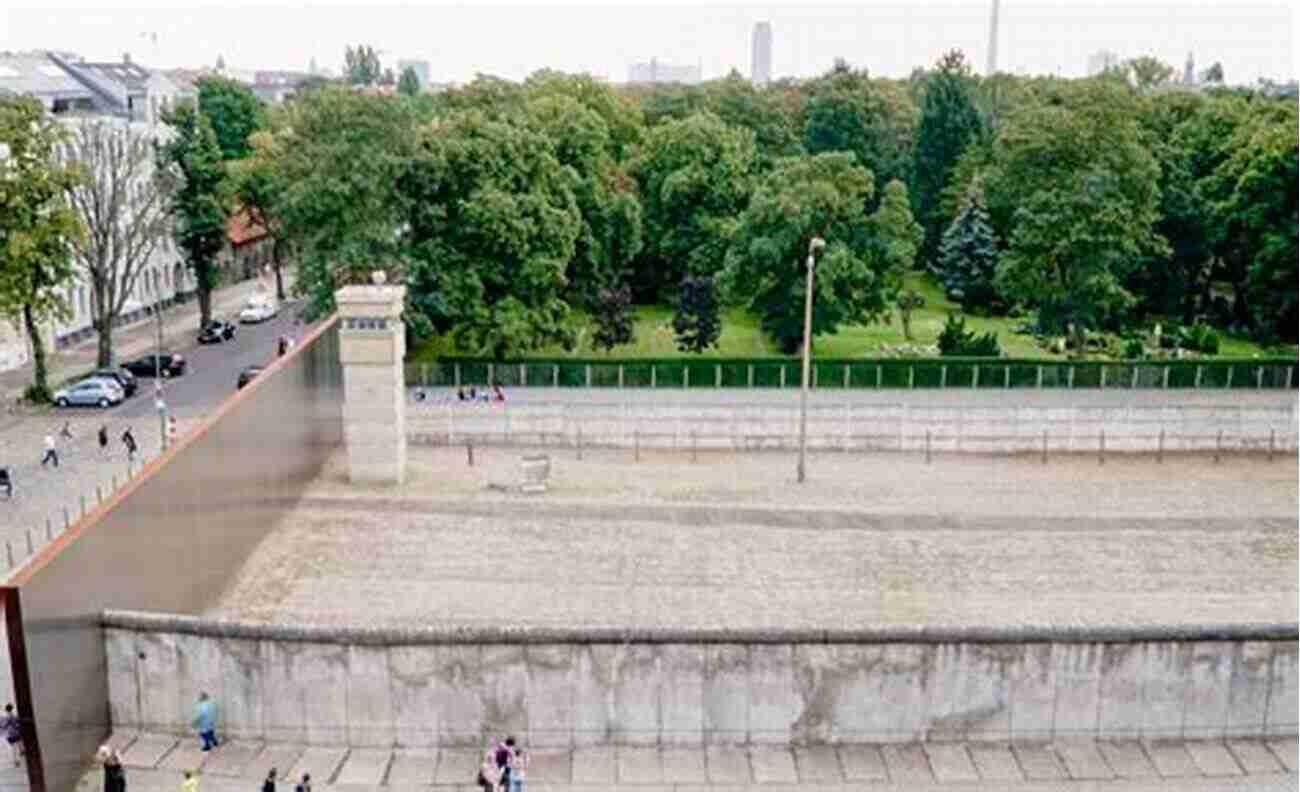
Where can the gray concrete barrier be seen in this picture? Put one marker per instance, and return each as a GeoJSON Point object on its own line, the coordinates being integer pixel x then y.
{"type": "Point", "coordinates": [569, 688]}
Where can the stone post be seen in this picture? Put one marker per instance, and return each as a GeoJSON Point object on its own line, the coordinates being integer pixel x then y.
{"type": "Point", "coordinates": [372, 345]}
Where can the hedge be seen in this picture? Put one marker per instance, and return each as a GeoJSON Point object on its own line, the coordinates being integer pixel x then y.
{"type": "Point", "coordinates": [857, 373]}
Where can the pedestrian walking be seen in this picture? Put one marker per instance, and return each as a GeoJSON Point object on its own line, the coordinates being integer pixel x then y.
{"type": "Point", "coordinates": [489, 777]}
{"type": "Point", "coordinates": [51, 453]}
{"type": "Point", "coordinates": [114, 774]}
{"type": "Point", "coordinates": [460, 394]}
{"type": "Point", "coordinates": [103, 440]}
{"type": "Point", "coordinates": [269, 784]}
{"type": "Point", "coordinates": [305, 784]}
{"type": "Point", "coordinates": [191, 782]}
{"type": "Point", "coordinates": [66, 431]}
{"type": "Point", "coordinates": [128, 440]}
{"type": "Point", "coordinates": [518, 770]}
{"type": "Point", "coordinates": [205, 721]}
{"type": "Point", "coordinates": [12, 728]}
{"type": "Point", "coordinates": [498, 394]}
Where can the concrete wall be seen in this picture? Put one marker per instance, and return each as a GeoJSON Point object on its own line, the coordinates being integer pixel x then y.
{"type": "Point", "coordinates": [573, 688]}
{"type": "Point", "coordinates": [176, 534]}
{"type": "Point", "coordinates": [889, 427]}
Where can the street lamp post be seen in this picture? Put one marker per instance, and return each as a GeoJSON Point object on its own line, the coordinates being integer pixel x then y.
{"type": "Point", "coordinates": [814, 245]}
{"type": "Point", "coordinates": [157, 375]}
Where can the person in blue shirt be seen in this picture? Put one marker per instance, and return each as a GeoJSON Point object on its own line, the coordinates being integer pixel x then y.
{"type": "Point", "coordinates": [205, 720]}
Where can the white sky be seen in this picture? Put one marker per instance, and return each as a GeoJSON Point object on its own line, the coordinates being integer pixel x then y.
{"type": "Point", "coordinates": [1251, 39]}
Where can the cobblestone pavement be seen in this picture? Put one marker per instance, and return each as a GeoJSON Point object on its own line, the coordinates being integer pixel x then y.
{"type": "Point", "coordinates": [156, 762]}
{"type": "Point", "coordinates": [961, 542]}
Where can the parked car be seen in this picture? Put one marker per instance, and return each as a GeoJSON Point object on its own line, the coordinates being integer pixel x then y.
{"type": "Point", "coordinates": [258, 309]}
{"type": "Point", "coordinates": [172, 365]}
{"type": "Point", "coordinates": [216, 331]}
{"type": "Point", "coordinates": [90, 392]}
{"type": "Point", "coordinates": [124, 379]}
{"type": "Point", "coordinates": [246, 376]}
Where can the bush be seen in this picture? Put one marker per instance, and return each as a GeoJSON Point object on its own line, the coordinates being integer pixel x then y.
{"type": "Point", "coordinates": [1133, 349]}
{"type": "Point", "coordinates": [956, 340]}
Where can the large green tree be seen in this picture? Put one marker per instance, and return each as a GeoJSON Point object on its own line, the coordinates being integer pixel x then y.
{"type": "Point", "coordinates": [198, 197]}
{"type": "Point", "coordinates": [695, 177]}
{"type": "Point", "coordinates": [949, 122]}
{"type": "Point", "coordinates": [37, 227]}
{"type": "Point", "coordinates": [1083, 196]}
{"type": "Point", "coordinates": [1149, 72]}
{"type": "Point", "coordinates": [968, 256]}
{"type": "Point", "coordinates": [804, 197]}
{"type": "Point", "coordinates": [334, 158]}
{"type": "Point", "coordinates": [234, 112]}
{"type": "Point", "coordinates": [492, 227]}
{"type": "Point", "coordinates": [409, 83]}
{"type": "Point", "coordinates": [361, 65]}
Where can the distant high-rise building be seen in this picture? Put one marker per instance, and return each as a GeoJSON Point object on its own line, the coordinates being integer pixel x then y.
{"type": "Point", "coordinates": [312, 68]}
{"type": "Point", "coordinates": [1189, 70]}
{"type": "Point", "coordinates": [761, 54]}
{"type": "Point", "coordinates": [421, 68]}
{"type": "Point", "coordinates": [993, 41]}
{"type": "Point", "coordinates": [1100, 61]}
{"type": "Point", "coordinates": [655, 72]}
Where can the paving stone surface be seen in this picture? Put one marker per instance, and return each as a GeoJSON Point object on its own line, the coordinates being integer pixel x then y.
{"type": "Point", "coordinates": [121, 740]}
{"type": "Point", "coordinates": [550, 766]}
{"type": "Point", "coordinates": [1083, 760]}
{"type": "Point", "coordinates": [1285, 750]}
{"type": "Point", "coordinates": [597, 765]}
{"type": "Point", "coordinates": [907, 764]}
{"type": "Point", "coordinates": [458, 765]}
{"type": "Point", "coordinates": [232, 757]}
{"type": "Point", "coordinates": [1212, 758]}
{"type": "Point", "coordinates": [950, 762]}
{"type": "Point", "coordinates": [640, 766]}
{"type": "Point", "coordinates": [364, 767]}
{"type": "Point", "coordinates": [320, 762]}
{"type": "Point", "coordinates": [684, 766]}
{"type": "Point", "coordinates": [773, 766]}
{"type": "Point", "coordinates": [818, 765]}
{"type": "Point", "coordinates": [187, 756]}
{"type": "Point", "coordinates": [412, 768]}
{"type": "Point", "coordinates": [148, 750]}
{"type": "Point", "coordinates": [1171, 759]}
{"type": "Point", "coordinates": [281, 757]}
{"type": "Point", "coordinates": [995, 762]}
{"type": "Point", "coordinates": [862, 763]}
{"type": "Point", "coordinates": [728, 765]}
{"type": "Point", "coordinates": [1039, 762]}
{"type": "Point", "coordinates": [1127, 758]}
{"type": "Point", "coordinates": [1254, 756]}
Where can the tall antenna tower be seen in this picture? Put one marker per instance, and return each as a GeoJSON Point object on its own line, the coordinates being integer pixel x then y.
{"type": "Point", "coordinates": [993, 41]}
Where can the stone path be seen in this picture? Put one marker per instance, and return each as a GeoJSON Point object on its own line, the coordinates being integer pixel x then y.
{"type": "Point", "coordinates": [156, 762]}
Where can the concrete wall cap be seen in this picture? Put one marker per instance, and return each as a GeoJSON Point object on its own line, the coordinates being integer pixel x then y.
{"type": "Point", "coordinates": [139, 621]}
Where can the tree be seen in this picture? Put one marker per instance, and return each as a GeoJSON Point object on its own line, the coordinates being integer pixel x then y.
{"type": "Point", "coordinates": [613, 315]}
{"type": "Point", "coordinates": [968, 256]}
{"type": "Point", "coordinates": [695, 177]}
{"type": "Point", "coordinates": [1149, 72]}
{"type": "Point", "coordinates": [361, 65]}
{"type": "Point", "coordinates": [388, 78]}
{"type": "Point", "coordinates": [949, 122]}
{"type": "Point", "coordinates": [261, 194]}
{"type": "Point", "coordinates": [696, 322]}
{"type": "Point", "coordinates": [492, 225]}
{"type": "Point", "coordinates": [956, 340]}
{"type": "Point", "coordinates": [823, 195]}
{"type": "Point", "coordinates": [197, 197]}
{"type": "Point", "coordinates": [896, 238]}
{"type": "Point", "coordinates": [739, 103]}
{"type": "Point", "coordinates": [234, 112]}
{"type": "Point", "coordinates": [873, 119]}
{"type": "Point", "coordinates": [409, 83]}
{"type": "Point", "coordinates": [37, 227]}
{"type": "Point", "coordinates": [1213, 75]}
{"type": "Point", "coordinates": [122, 204]}
{"type": "Point", "coordinates": [1084, 196]}
{"type": "Point", "coordinates": [333, 159]}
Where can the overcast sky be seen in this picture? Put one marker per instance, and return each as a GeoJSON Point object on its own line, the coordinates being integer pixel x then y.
{"type": "Point", "coordinates": [1251, 39]}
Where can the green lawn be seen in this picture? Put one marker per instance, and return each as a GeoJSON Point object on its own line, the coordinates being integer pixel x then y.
{"type": "Point", "coordinates": [741, 336]}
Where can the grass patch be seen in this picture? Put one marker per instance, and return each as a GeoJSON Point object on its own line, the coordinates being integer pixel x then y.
{"type": "Point", "coordinates": [742, 337]}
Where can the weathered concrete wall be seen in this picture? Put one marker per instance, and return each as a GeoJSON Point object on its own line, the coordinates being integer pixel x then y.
{"type": "Point", "coordinates": [562, 689]}
{"type": "Point", "coordinates": [372, 343]}
{"type": "Point", "coordinates": [976, 428]}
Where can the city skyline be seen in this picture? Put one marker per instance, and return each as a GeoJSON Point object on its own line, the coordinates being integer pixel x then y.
{"type": "Point", "coordinates": [888, 39]}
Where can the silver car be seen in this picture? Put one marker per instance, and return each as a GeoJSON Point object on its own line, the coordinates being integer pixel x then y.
{"type": "Point", "coordinates": [90, 392]}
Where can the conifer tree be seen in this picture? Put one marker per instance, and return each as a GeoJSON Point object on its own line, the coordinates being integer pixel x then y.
{"type": "Point", "coordinates": [968, 255]}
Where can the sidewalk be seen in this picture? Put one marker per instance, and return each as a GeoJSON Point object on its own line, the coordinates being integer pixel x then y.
{"type": "Point", "coordinates": [156, 761]}
{"type": "Point", "coordinates": [180, 325]}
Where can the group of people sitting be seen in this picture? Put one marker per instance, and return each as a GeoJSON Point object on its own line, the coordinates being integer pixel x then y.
{"type": "Point", "coordinates": [473, 395]}
{"type": "Point", "coordinates": [504, 767]}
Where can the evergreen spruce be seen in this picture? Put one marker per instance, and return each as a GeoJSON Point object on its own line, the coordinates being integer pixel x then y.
{"type": "Point", "coordinates": [949, 123]}
{"type": "Point", "coordinates": [968, 256]}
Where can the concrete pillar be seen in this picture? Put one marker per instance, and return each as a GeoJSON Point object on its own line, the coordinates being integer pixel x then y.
{"type": "Point", "coordinates": [372, 345]}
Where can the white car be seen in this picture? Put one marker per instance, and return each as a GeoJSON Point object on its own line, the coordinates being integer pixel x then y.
{"type": "Point", "coordinates": [257, 312]}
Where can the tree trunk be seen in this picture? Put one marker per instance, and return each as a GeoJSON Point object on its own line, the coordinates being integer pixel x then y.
{"type": "Point", "coordinates": [40, 378]}
{"type": "Point", "coordinates": [104, 358]}
{"type": "Point", "coordinates": [279, 276]}
{"type": "Point", "coordinates": [905, 316]}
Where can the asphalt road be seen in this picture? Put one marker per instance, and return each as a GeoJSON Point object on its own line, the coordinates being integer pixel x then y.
{"type": "Point", "coordinates": [211, 370]}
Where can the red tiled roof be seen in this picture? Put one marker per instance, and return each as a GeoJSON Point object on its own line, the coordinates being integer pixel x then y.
{"type": "Point", "coordinates": [240, 228]}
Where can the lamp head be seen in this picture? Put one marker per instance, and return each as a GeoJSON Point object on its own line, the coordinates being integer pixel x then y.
{"type": "Point", "coordinates": [815, 244]}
